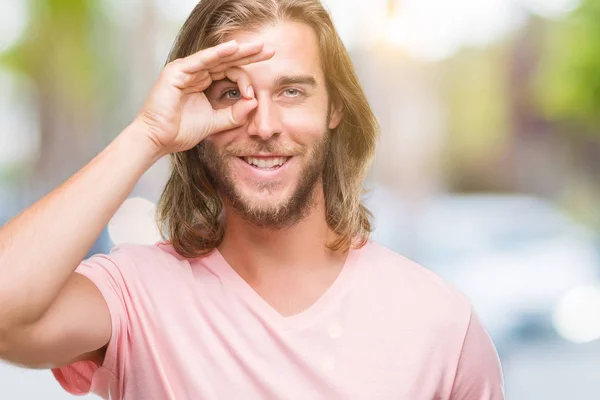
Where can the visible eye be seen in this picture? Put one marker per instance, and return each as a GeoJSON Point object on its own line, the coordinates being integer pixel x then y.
{"type": "Point", "coordinates": [232, 94]}
{"type": "Point", "coordinates": [292, 92]}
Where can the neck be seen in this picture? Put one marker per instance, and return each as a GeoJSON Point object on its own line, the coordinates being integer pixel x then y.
{"type": "Point", "coordinates": [255, 252]}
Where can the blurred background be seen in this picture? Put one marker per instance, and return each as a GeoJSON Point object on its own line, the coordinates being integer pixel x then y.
{"type": "Point", "coordinates": [488, 168]}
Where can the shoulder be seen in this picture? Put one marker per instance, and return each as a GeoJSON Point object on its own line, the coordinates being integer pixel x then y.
{"type": "Point", "coordinates": [400, 282]}
{"type": "Point", "coordinates": [134, 260]}
{"type": "Point", "coordinates": [390, 268]}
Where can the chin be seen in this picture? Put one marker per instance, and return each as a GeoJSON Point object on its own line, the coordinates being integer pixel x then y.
{"type": "Point", "coordinates": [265, 201]}
{"type": "Point", "coordinates": [275, 203]}
{"type": "Point", "coordinates": [269, 210]}
{"type": "Point", "coordinates": [273, 192]}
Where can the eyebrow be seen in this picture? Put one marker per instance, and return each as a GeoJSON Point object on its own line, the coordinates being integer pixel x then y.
{"type": "Point", "coordinates": [296, 80]}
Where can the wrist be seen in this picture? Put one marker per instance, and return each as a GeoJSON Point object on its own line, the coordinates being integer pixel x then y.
{"type": "Point", "coordinates": [138, 138]}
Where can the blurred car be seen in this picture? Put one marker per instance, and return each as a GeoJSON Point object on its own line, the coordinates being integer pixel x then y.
{"type": "Point", "coordinates": [514, 256]}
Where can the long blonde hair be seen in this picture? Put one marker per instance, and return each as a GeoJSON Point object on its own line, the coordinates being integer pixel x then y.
{"type": "Point", "coordinates": [190, 206]}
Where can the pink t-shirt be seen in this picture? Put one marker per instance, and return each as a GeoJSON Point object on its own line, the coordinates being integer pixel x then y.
{"type": "Point", "coordinates": [194, 329]}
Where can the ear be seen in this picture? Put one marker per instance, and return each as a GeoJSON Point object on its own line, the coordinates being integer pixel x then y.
{"type": "Point", "coordinates": [336, 113]}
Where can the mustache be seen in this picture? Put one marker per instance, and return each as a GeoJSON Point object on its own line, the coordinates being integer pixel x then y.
{"type": "Point", "coordinates": [269, 148]}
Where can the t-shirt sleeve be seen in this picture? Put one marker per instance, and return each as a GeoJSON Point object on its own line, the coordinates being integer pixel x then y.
{"type": "Point", "coordinates": [107, 273]}
{"type": "Point", "coordinates": [479, 374]}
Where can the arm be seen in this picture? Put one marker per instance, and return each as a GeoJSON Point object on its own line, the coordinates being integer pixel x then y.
{"type": "Point", "coordinates": [41, 300]}
{"type": "Point", "coordinates": [50, 316]}
{"type": "Point", "coordinates": [479, 374]}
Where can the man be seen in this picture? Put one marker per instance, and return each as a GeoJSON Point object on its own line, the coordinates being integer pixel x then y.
{"type": "Point", "coordinates": [267, 287]}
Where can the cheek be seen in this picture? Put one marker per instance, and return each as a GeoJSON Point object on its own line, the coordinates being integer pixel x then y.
{"type": "Point", "coordinates": [221, 140]}
{"type": "Point", "coordinates": [306, 127]}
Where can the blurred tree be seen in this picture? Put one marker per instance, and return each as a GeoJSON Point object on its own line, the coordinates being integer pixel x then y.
{"type": "Point", "coordinates": [568, 81]}
{"type": "Point", "coordinates": [476, 90]}
{"type": "Point", "coordinates": [567, 89]}
{"type": "Point", "coordinates": [64, 53]}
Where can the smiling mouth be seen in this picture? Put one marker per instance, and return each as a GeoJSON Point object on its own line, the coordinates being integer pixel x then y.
{"type": "Point", "coordinates": [266, 163]}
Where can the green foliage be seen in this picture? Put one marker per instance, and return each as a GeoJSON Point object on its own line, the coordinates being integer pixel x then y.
{"type": "Point", "coordinates": [475, 89]}
{"type": "Point", "coordinates": [568, 83]}
{"type": "Point", "coordinates": [58, 49]}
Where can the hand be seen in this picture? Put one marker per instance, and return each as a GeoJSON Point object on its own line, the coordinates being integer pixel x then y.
{"type": "Point", "coordinates": [176, 116]}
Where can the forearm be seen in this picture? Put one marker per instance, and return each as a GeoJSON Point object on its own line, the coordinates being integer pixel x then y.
{"type": "Point", "coordinates": [42, 246]}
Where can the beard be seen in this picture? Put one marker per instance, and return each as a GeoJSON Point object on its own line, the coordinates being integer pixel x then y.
{"type": "Point", "coordinates": [289, 211]}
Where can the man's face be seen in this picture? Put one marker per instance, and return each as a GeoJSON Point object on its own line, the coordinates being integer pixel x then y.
{"type": "Point", "coordinates": [268, 168]}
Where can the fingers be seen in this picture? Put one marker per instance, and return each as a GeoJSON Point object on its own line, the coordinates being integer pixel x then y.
{"type": "Point", "coordinates": [224, 53]}
{"type": "Point", "coordinates": [242, 79]}
{"type": "Point", "coordinates": [238, 76]}
{"type": "Point", "coordinates": [266, 53]}
{"type": "Point", "coordinates": [234, 116]}
{"type": "Point", "coordinates": [197, 71]}
{"type": "Point", "coordinates": [207, 57]}
{"type": "Point", "coordinates": [245, 50]}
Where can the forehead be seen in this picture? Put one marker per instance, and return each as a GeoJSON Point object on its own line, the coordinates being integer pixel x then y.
{"type": "Point", "coordinates": [296, 51]}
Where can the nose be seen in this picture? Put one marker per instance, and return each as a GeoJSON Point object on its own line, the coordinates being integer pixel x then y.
{"type": "Point", "coordinates": [264, 120]}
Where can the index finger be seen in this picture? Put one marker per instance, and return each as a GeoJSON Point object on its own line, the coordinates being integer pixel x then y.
{"type": "Point", "coordinates": [208, 58]}
{"type": "Point", "coordinates": [265, 54]}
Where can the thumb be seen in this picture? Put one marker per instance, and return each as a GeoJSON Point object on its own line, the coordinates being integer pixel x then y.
{"type": "Point", "coordinates": [234, 116]}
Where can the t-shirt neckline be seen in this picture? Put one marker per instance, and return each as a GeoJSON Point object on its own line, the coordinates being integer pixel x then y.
{"type": "Point", "coordinates": [332, 295]}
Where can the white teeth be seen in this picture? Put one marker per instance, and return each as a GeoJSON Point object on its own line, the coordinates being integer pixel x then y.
{"type": "Point", "coordinates": [266, 163]}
